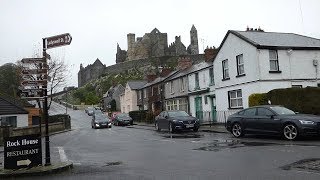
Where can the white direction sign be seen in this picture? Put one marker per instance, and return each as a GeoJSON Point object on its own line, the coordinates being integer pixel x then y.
{"type": "Point", "coordinates": [26, 162]}
{"type": "Point", "coordinates": [32, 60]}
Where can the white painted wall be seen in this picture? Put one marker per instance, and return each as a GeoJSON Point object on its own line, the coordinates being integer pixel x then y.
{"type": "Point", "coordinates": [22, 119]}
{"type": "Point", "coordinates": [297, 69]}
{"type": "Point", "coordinates": [129, 100]}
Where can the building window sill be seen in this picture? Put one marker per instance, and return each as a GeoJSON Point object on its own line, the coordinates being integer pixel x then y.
{"type": "Point", "coordinates": [240, 75]}
{"type": "Point", "coordinates": [275, 72]}
{"type": "Point", "coordinates": [225, 79]}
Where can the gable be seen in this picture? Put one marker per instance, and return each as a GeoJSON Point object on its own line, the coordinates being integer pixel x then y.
{"type": "Point", "coordinates": [7, 108]}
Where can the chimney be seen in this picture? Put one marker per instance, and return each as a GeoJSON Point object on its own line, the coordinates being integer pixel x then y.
{"type": "Point", "coordinates": [184, 62]}
{"type": "Point", "coordinates": [165, 72]}
{"type": "Point", "coordinates": [210, 54]}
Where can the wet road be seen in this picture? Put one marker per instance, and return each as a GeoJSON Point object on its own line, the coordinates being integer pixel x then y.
{"type": "Point", "coordinates": [139, 152]}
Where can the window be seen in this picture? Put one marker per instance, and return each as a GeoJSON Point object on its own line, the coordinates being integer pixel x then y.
{"type": "Point", "coordinates": [274, 63]}
{"type": "Point", "coordinates": [205, 99]}
{"type": "Point", "coordinates": [235, 99]}
{"type": "Point", "coordinates": [297, 86]}
{"type": "Point", "coordinates": [171, 87]}
{"type": "Point", "coordinates": [197, 86]}
{"type": "Point", "coordinates": [140, 94]}
{"type": "Point", "coordinates": [319, 85]}
{"type": "Point", "coordinates": [183, 105]}
{"type": "Point", "coordinates": [225, 69]}
{"type": "Point", "coordinates": [144, 93]}
{"type": "Point", "coordinates": [250, 112]}
{"type": "Point", "coordinates": [240, 65]}
{"type": "Point", "coordinates": [211, 76]}
{"type": "Point", "coordinates": [264, 112]}
{"type": "Point", "coordinates": [181, 85]}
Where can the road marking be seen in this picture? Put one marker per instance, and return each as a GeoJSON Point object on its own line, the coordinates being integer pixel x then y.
{"type": "Point", "coordinates": [63, 156]}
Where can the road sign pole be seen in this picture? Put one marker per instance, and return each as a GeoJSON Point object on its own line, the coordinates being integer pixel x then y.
{"type": "Point", "coordinates": [45, 111]}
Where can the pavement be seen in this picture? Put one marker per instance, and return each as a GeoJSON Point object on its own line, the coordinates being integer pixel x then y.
{"type": "Point", "coordinates": [213, 128]}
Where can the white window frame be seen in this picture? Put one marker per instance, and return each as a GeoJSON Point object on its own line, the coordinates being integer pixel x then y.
{"type": "Point", "coordinates": [240, 64]}
{"type": "Point", "coordinates": [274, 60]}
{"type": "Point", "coordinates": [225, 69]}
{"type": "Point", "coordinates": [235, 98]}
{"type": "Point", "coordinates": [196, 80]}
{"type": "Point", "coordinates": [171, 87]}
{"type": "Point", "coordinates": [211, 76]}
{"type": "Point", "coordinates": [181, 84]}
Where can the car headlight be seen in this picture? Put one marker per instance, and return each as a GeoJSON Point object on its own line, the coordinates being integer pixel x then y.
{"type": "Point", "coordinates": [174, 120]}
{"type": "Point", "coordinates": [306, 122]}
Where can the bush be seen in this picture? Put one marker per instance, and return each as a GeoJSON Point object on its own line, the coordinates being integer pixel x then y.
{"type": "Point", "coordinates": [258, 99]}
{"type": "Point", "coordinates": [138, 116]}
{"type": "Point", "coordinates": [302, 100]}
{"type": "Point", "coordinates": [150, 117]}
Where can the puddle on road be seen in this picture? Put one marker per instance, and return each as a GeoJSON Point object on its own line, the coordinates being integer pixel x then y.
{"type": "Point", "coordinates": [218, 145]}
{"type": "Point", "coordinates": [182, 136]}
{"type": "Point", "coordinates": [113, 163]}
{"type": "Point", "coordinates": [312, 165]}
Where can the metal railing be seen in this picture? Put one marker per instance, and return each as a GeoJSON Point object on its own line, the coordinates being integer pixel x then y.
{"type": "Point", "coordinates": [207, 117]}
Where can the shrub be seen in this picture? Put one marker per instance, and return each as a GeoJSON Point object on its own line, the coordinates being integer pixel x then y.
{"type": "Point", "coordinates": [150, 117]}
{"type": "Point", "coordinates": [258, 99]}
{"type": "Point", "coordinates": [138, 116]}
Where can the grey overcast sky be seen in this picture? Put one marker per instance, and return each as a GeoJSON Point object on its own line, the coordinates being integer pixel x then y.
{"type": "Point", "coordinates": [97, 26]}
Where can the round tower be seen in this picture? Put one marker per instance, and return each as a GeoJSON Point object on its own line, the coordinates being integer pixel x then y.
{"type": "Point", "coordinates": [194, 47]}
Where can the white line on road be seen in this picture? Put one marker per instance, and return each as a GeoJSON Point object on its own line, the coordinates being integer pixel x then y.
{"type": "Point", "coordinates": [63, 156]}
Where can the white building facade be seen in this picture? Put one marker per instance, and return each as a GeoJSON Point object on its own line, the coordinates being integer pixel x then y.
{"type": "Point", "coordinates": [251, 62]}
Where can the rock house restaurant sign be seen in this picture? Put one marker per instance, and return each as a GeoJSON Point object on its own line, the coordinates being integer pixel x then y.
{"type": "Point", "coordinates": [22, 152]}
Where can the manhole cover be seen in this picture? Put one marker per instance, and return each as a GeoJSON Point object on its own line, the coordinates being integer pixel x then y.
{"type": "Point", "coordinates": [306, 164]}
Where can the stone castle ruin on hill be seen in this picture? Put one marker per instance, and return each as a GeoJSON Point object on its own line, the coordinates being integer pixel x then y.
{"type": "Point", "coordinates": [151, 45]}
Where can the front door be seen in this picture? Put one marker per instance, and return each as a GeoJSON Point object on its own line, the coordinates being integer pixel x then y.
{"type": "Point", "coordinates": [213, 109]}
{"type": "Point", "coordinates": [198, 106]}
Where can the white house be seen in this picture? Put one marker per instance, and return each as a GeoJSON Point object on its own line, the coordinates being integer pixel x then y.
{"type": "Point", "coordinates": [128, 100]}
{"type": "Point", "coordinates": [201, 91]}
{"type": "Point", "coordinates": [256, 62]}
{"type": "Point", "coordinates": [12, 114]}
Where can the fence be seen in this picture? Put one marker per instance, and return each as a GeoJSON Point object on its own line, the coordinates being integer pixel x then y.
{"type": "Point", "coordinates": [207, 117]}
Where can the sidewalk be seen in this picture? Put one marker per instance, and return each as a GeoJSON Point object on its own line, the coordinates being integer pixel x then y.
{"type": "Point", "coordinates": [213, 128]}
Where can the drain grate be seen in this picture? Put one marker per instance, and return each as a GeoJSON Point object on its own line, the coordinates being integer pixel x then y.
{"type": "Point", "coordinates": [306, 164]}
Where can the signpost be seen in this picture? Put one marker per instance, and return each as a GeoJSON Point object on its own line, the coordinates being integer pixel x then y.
{"type": "Point", "coordinates": [35, 78]}
{"type": "Point", "coordinates": [22, 151]}
{"type": "Point", "coordinates": [59, 40]}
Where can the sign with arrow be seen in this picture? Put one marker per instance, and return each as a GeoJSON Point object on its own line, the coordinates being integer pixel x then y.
{"type": "Point", "coordinates": [34, 71]}
{"type": "Point", "coordinates": [32, 60]}
{"type": "Point", "coordinates": [34, 83]}
{"type": "Point", "coordinates": [59, 40]}
{"type": "Point", "coordinates": [22, 151]}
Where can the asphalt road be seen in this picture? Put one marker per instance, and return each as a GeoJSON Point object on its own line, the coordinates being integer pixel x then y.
{"type": "Point", "coordinates": [139, 152]}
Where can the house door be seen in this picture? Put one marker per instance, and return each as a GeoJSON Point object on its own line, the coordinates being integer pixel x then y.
{"type": "Point", "coordinates": [213, 109]}
{"type": "Point", "coordinates": [198, 106]}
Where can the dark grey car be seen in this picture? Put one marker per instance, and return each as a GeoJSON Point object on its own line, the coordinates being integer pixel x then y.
{"type": "Point", "coordinates": [272, 119]}
{"type": "Point", "coordinates": [122, 119]}
{"type": "Point", "coordinates": [100, 121]}
{"type": "Point", "coordinates": [176, 120]}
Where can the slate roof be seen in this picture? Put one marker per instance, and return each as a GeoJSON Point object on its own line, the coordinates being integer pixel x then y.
{"type": "Point", "coordinates": [264, 40]}
{"type": "Point", "coordinates": [160, 79]}
{"type": "Point", "coordinates": [192, 69]}
{"type": "Point", "coordinates": [134, 85]}
{"type": "Point", "coordinates": [8, 106]}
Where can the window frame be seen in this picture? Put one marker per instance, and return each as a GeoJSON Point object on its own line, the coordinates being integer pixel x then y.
{"type": "Point", "coordinates": [236, 99]}
{"type": "Point", "coordinates": [211, 75]}
{"type": "Point", "coordinates": [225, 70]}
{"type": "Point", "coordinates": [239, 65]}
{"type": "Point", "coordinates": [276, 60]}
{"type": "Point", "coordinates": [196, 80]}
{"type": "Point", "coordinates": [181, 80]}
{"type": "Point", "coordinates": [171, 87]}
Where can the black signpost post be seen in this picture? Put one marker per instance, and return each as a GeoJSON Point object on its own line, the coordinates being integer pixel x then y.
{"type": "Point", "coordinates": [22, 151]}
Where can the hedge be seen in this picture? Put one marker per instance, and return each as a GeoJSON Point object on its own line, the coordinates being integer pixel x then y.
{"type": "Point", "coordinates": [302, 100]}
{"type": "Point", "coordinates": [138, 116]}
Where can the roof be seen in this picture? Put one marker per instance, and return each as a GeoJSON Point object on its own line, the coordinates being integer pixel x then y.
{"type": "Point", "coordinates": [134, 85]}
{"type": "Point", "coordinates": [264, 40]}
{"type": "Point", "coordinates": [192, 69]}
{"type": "Point", "coordinates": [8, 106]}
{"type": "Point", "coordinates": [160, 79]}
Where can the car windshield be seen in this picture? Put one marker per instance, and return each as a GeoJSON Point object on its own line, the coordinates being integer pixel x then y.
{"type": "Point", "coordinates": [281, 110]}
{"type": "Point", "coordinates": [101, 118]}
{"type": "Point", "coordinates": [177, 114]}
{"type": "Point", "coordinates": [123, 115]}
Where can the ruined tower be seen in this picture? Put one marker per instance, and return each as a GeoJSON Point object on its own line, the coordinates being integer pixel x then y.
{"type": "Point", "coordinates": [193, 47]}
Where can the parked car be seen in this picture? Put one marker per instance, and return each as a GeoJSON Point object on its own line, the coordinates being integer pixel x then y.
{"type": "Point", "coordinates": [272, 119]}
{"type": "Point", "coordinates": [122, 119]}
{"type": "Point", "coordinates": [89, 110]}
{"type": "Point", "coordinates": [113, 115]}
{"type": "Point", "coordinates": [176, 120]}
{"type": "Point", "coordinates": [101, 121]}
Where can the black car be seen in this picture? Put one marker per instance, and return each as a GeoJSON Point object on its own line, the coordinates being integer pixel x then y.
{"type": "Point", "coordinates": [89, 110]}
{"type": "Point", "coordinates": [272, 119]}
{"type": "Point", "coordinates": [100, 121]}
{"type": "Point", "coordinates": [122, 119]}
{"type": "Point", "coordinates": [176, 120]}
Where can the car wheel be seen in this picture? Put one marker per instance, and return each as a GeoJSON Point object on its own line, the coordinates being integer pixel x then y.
{"type": "Point", "coordinates": [237, 130]}
{"type": "Point", "coordinates": [157, 126]}
{"type": "Point", "coordinates": [195, 129]}
{"type": "Point", "coordinates": [290, 132]}
{"type": "Point", "coordinates": [171, 129]}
